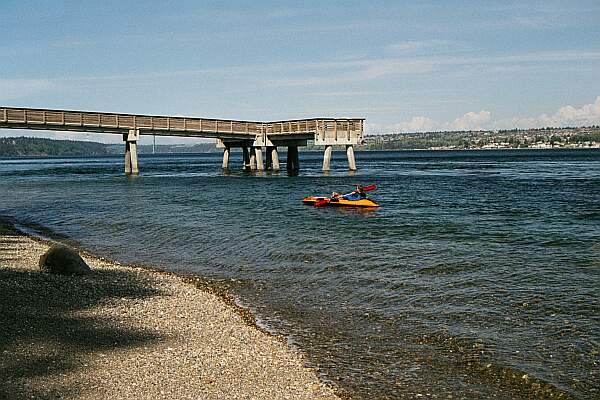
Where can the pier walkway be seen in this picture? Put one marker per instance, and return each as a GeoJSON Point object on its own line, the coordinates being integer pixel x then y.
{"type": "Point", "coordinates": [251, 136]}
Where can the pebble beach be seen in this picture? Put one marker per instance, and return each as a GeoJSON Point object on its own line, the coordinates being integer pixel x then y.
{"type": "Point", "coordinates": [126, 332]}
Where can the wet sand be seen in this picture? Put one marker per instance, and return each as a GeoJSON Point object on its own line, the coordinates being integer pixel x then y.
{"type": "Point", "coordinates": [124, 332]}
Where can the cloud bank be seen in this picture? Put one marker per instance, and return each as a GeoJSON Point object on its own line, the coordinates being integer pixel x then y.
{"type": "Point", "coordinates": [471, 121]}
{"type": "Point", "coordinates": [586, 115]}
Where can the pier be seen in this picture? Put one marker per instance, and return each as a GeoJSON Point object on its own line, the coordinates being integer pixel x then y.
{"type": "Point", "coordinates": [252, 137]}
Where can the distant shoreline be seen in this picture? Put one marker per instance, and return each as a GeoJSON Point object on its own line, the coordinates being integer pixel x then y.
{"type": "Point", "coordinates": [283, 151]}
{"type": "Point", "coordinates": [545, 138]}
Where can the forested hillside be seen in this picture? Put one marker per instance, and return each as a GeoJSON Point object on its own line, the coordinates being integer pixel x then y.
{"type": "Point", "coordinates": [27, 146]}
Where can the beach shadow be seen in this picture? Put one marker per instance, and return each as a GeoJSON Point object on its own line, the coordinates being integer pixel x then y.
{"type": "Point", "coordinates": [46, 331]}
{"type": "Point", "coordinates": [7, 229]}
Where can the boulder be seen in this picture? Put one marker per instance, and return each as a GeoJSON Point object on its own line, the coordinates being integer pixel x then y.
{"type": "Point", "coordinates": [63, 260]}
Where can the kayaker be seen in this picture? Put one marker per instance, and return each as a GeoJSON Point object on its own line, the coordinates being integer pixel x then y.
{"type": "Point", "coordinates": [360, 191]}
{"type": "Point", "coordinates": [357, 194]}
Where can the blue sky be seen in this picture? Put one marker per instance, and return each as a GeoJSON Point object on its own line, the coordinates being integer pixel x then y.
{"type": "Point", "coordinates": [404, 66]}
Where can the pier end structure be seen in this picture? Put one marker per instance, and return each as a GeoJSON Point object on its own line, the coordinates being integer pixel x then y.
{"type": "Point", "coordinates": [325, 133]}
{"type": "Point", "coordinates": [339, 132]}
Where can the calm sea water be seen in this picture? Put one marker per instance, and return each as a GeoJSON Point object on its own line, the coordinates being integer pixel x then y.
{"type": "Point", "coordinates": [479, 276]}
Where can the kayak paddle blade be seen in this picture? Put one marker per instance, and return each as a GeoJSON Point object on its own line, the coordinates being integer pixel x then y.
{"type": "Point", "coordinates": [322, 202]}
{"type": "Point", "coordinates": [369, 188]}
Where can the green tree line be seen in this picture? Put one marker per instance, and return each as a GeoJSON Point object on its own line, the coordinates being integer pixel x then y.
{"type": "Point", "coordinates": [27, 146]}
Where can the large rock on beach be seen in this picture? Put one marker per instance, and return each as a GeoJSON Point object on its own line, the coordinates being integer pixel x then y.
{"type": "Point", "coordinates": [63, 260]}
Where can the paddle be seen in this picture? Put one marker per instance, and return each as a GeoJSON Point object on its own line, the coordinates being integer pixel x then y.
{"type": "Point", "coordinates": [369, 188]}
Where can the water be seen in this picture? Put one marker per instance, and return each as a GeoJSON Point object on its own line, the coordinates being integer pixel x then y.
{"type": "Point", "coordinates": [479, 276]}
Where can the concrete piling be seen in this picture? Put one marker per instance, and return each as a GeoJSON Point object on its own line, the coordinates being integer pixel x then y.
{"type": "Point", "coordinates": [134, 159]}
{"type": "Point", "coordinates": [127, 159]}
{"type": "Point", "coordinates": [293, 161]}
{"type": "Point", "coordinates": [252, 159]}
{"type": "Point", "coordinates": [274, 158]}
{"type": "Point", "coordinates": [351, 160]}
{"type": "Point", "coordinates": [259, 160]}
{"type": "Point", "coordinates": [246, 158]}
{"type": "Point", "coordinates": [327, 158]}
{"type": "Point", "coordinates": [131, 159]}
{"type": "Point", "coordinates": [268, 159]}
{"type": "Point", "coordinates": [226, 152]}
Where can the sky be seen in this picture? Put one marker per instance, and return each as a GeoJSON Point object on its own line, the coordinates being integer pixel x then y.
{"type": "Point", "coordinates": [404, 66]}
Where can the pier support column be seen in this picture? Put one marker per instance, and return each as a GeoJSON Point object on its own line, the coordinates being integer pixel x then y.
{"type": "Point", "coordinates": [246, 158]}
{"type": "Point", "coordinates": [268, 159]}
{"type": "Point", "coordinates": [274, 156]}
{"type": "Point", "coordinates": [293, 162]}
{"type": "Point", "coordinates": [259, 160]}
{"type": "Point", "coordinates": [134, 159]}
{"type": "Point", "coordinates": [127, 159]}
{"type": "Point", "coordinates": [131, 159]}
{"type": "Point", "coordinates": [327, 158]}
{"type": "Point", "coordinates": [252, 159]}
{"type": "Point", "coordinates": [226, 152]}
{"type": "Point", "coordinates": [351, 160]}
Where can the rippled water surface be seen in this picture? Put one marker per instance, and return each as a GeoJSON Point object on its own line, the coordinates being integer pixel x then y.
{"type": "Point", "coordinates": [479, 276]}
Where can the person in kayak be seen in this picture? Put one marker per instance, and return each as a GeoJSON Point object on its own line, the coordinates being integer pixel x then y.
{"type": "Point", "coordinates": [358, 194]}
{"type": "Point", "coordinates": [360, 191]}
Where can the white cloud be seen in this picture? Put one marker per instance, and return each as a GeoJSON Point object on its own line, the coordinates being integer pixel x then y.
{"type": "Point", "coordinates": [366, 69]}
{"type": "Point", "coordinates": [532, 21]}
{"type": "Point", "coordinates": [406, 46]}
{"type": "Point", "coordinates": [588, 114]}
{"type": "Point", "coordinates": [430, 45]}
{"type": "Point", "coordinates": [335, 72]}
{"type": "Point", "coordinates": [471, 121]}
{"type": "Point", "coordinates": [416, 124]}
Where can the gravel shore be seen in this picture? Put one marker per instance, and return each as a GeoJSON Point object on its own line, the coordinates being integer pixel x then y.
{"type": "Point", "coordinates": [124, 332]}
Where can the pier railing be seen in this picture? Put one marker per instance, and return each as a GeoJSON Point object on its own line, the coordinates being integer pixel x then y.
{"type": "Point", "coordinates": [31, 118]}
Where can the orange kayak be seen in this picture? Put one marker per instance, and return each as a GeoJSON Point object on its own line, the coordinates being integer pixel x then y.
{"type": "Point", "coordinates": [339, 202]}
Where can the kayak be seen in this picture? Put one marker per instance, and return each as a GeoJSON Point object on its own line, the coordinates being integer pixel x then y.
{"type": "Point", "coordinates": [339, 202]}
{"type": "Point", "coordinates": [357, 198]}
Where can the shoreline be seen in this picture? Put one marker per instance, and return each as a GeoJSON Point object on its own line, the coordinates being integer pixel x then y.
{"type": "Point", "coordinates": [133, 331]}
{"type": "Point", "coordinates": [316, 151]}
{"type": "Point", "coordinates": [212, 286]}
